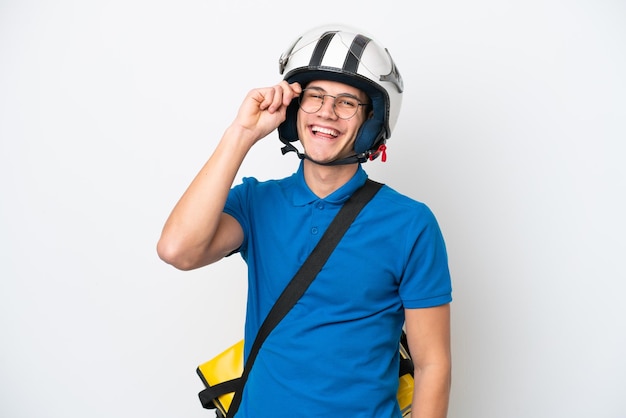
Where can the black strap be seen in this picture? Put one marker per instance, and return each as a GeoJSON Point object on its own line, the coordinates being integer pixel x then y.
{"type": "Point", "coordinates": [303, 278]}
{"type": "Point", "coordinates": [211, 393]}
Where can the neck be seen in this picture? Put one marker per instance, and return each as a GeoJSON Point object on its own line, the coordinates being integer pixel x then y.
{"type": "Point", "coordinates": [324, 180]}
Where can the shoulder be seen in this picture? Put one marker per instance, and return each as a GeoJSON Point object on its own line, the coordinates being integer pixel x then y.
{"type": "Point", "coordinates": [391, 200]}
{"type": "Point", "coordinates": [398, 213]}
{"type": "Point", "coordinates": [253, 186]}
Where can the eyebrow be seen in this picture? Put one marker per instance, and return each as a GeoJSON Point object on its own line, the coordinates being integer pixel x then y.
{"type": "Point", "coordinates": [340, 94]}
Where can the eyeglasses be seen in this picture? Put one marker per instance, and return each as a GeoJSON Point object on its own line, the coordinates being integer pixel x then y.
{"type": "Point", "coordinates": [345, 105]}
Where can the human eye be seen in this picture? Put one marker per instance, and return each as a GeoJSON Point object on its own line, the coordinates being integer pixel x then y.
{"type": "Point", "coordinates": [314, 95]}
{"type": "Point", "coordinates": [347, 102]}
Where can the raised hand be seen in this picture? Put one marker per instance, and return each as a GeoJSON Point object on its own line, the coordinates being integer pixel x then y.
{"type": "Point", "coordinates": [264, 109]}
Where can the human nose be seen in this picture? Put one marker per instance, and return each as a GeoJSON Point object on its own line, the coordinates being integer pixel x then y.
{"type": "Point", "coordinates": [328, 107]}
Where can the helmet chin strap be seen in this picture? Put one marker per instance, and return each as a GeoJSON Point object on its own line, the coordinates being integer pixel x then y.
{"type": "Point", "coordinates": [352, 159]}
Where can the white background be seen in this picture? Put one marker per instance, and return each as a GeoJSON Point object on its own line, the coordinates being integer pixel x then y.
{"type": "Point", "coordinates": [512, 131]}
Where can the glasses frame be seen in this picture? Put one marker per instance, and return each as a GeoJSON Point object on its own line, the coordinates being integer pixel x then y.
{"type": "Point", "coordinates": [324, 95]}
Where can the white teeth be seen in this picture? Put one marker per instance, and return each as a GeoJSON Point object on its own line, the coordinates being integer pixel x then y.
{"type": "Point", "coordinates": [324, 131]}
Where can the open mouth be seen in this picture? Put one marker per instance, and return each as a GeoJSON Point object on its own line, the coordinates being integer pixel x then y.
{"type": "Point", "coordinates": [325, 132]}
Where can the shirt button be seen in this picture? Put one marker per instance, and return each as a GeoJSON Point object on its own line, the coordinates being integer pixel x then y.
{"type": "Point", "coordinates": [314, 230]}
{"type": "Point", "coordinates": [320, 205]}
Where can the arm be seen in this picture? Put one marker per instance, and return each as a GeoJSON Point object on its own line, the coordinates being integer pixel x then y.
{"type": "Point", "coordinates": [428, 335]}
{"type": "Point", "coordinates": [197, 232]}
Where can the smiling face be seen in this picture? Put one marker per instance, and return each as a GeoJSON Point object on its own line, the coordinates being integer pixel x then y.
{"type": "Point", "coordinates": [324, 136]}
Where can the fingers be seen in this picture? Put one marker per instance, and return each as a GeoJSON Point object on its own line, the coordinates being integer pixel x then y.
{"type": "Point", "coordinates": [264, 109]}
{"type": "Point", "coordinates": [280, 95]}
{"type": "Point", "coordinates": [294, 89]}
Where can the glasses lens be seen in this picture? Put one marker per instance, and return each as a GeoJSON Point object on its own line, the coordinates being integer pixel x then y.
{"type": "Point", "coordinates": [311, 101]}
{"type": "Point", "coordinates": [346, 106]}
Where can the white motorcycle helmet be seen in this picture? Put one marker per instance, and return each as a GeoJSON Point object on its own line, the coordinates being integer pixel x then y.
{"type": "Point", "coordinates": [343, 54]}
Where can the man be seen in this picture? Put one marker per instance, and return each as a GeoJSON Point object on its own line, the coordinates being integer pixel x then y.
{"type": "Point", "coordinates": [336, 351]}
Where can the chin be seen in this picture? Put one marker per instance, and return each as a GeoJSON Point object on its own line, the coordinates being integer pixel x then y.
{"type": "Point", "coordinates": [326, 156]}
{"type": "Point", "coordinates": [321, 160]}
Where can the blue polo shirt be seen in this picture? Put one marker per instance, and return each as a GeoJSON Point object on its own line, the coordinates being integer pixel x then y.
{"type": "Point", "coordinates": [336, 351]}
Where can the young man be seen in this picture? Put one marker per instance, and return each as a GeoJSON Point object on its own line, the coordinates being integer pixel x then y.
{"type": "Point", "coordinates": [336, 351]}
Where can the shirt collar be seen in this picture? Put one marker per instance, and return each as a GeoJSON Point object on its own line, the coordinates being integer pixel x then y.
{"type": "Point", "coordinates": [302, 195]}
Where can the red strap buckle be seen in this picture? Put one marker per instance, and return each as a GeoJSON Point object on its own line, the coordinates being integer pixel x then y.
{"type": "Point", "coordinates": [381, 149]}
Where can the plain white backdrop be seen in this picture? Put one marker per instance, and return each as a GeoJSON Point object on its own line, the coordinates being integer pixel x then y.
{"type": "Point", "coordinates": [512, 131]}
